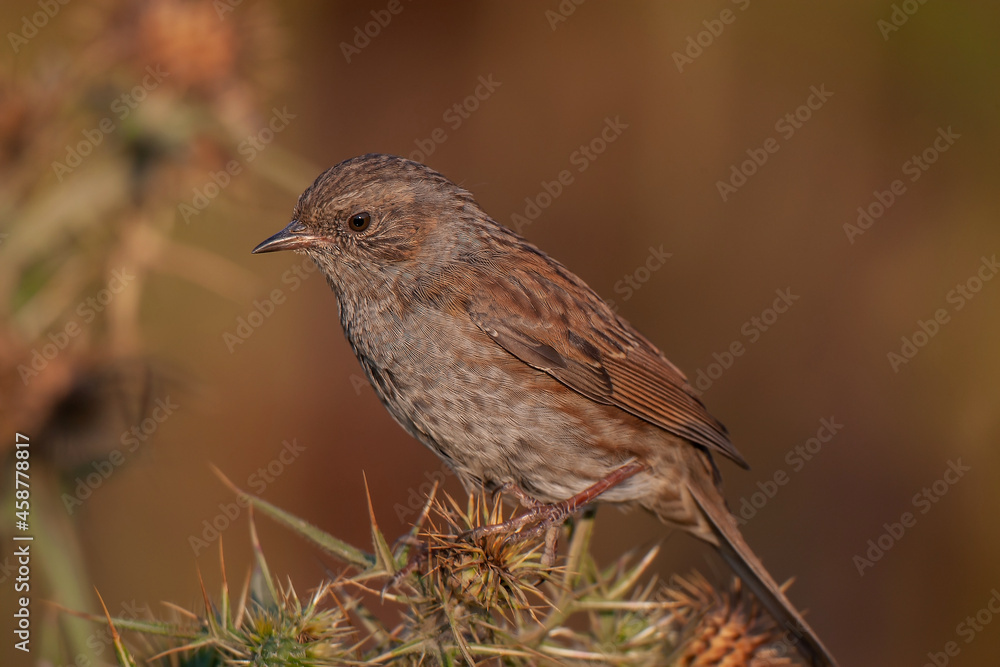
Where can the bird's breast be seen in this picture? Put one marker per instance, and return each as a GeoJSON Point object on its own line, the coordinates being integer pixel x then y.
{"type": "Point", "coordinates": [493, 418]}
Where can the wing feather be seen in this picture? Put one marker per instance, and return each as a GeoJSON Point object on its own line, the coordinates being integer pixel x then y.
{"type": "Point", "coordinates": [575, 337]}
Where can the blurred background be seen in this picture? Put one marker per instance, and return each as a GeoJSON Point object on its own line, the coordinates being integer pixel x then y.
{"type": "Point", "coordinates": [798, 204]}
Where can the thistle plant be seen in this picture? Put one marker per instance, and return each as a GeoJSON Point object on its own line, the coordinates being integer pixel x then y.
{"type": "Point", "coordinates": [491, 601]}
{"type": "Point", "coordinates": [112, 129]}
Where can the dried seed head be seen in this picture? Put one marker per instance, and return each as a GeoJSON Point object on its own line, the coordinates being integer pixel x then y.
{"type": "Point", "coordinates": [493, 573]}
{"type": "Point", "coordinates": [719, 628]}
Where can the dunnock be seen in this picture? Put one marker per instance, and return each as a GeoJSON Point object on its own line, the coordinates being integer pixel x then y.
{"type": "Point", "coordinates": [509, 367]}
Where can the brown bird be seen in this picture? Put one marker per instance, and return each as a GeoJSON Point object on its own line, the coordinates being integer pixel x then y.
{"type": "Point", "coordinates": [509, 367]}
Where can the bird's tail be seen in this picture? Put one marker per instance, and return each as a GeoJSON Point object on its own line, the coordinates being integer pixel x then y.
{"type": "Point", "coordinates": [749, 568]}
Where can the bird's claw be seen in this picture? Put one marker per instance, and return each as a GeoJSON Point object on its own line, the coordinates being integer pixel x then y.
{"type": "Point", "coordinates": [417, 555]}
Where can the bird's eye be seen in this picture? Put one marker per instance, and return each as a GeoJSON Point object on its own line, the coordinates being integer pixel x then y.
{"type": "Point", "coordinates": [359, 221]}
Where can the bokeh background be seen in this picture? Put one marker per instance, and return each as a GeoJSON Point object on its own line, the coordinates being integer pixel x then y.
{"type": "Point", "coordinates": [502, 97]}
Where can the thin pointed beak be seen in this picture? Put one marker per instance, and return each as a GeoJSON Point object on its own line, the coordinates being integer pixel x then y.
{"type": "Point", "coordinates": [292, 237]}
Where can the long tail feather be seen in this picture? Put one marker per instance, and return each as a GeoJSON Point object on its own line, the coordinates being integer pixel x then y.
{"type": "Point", "coordinates": [748, 567]}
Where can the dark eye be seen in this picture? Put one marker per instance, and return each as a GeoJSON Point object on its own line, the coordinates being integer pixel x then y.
{"type": "Point", "coordinates": [359, 221]}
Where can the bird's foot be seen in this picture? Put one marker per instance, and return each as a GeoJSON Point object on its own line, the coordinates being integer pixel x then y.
{"type": "Point", "coordinates": [543, 517]}
{"type": "Point", "coordinates": [512, 525]}
{"type": "Point", "coordinates": [415, 557]}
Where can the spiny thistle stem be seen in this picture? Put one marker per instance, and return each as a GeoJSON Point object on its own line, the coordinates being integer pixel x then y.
{"type": "Point", "coordinates": [464, 602]}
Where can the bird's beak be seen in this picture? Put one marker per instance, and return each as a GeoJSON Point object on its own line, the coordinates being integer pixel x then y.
{"type": "Point", "coordinates": [292, 237]}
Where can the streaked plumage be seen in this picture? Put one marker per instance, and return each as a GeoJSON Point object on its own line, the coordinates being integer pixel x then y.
{"type": "Point", "coordinates": [506, 364]}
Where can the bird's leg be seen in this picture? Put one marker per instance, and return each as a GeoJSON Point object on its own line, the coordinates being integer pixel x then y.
{"type": "Point", "coordinates": [554, 514]}
{"type": "Point", "coordinates": [417, 556]}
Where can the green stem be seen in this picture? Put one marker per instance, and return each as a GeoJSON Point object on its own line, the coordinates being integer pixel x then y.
{"type": "Point", "coordinates": [579, 545]}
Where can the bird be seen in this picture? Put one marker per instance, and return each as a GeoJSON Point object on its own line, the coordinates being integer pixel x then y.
{"type": "Point", "coordinates": [510, 368]}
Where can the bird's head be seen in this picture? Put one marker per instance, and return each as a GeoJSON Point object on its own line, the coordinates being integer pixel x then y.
{"type": "Point", "coordinates": [378, 219]}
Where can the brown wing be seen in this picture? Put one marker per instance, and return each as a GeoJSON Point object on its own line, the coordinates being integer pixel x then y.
{"type": "Point", "coordinates": [575, 337]}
